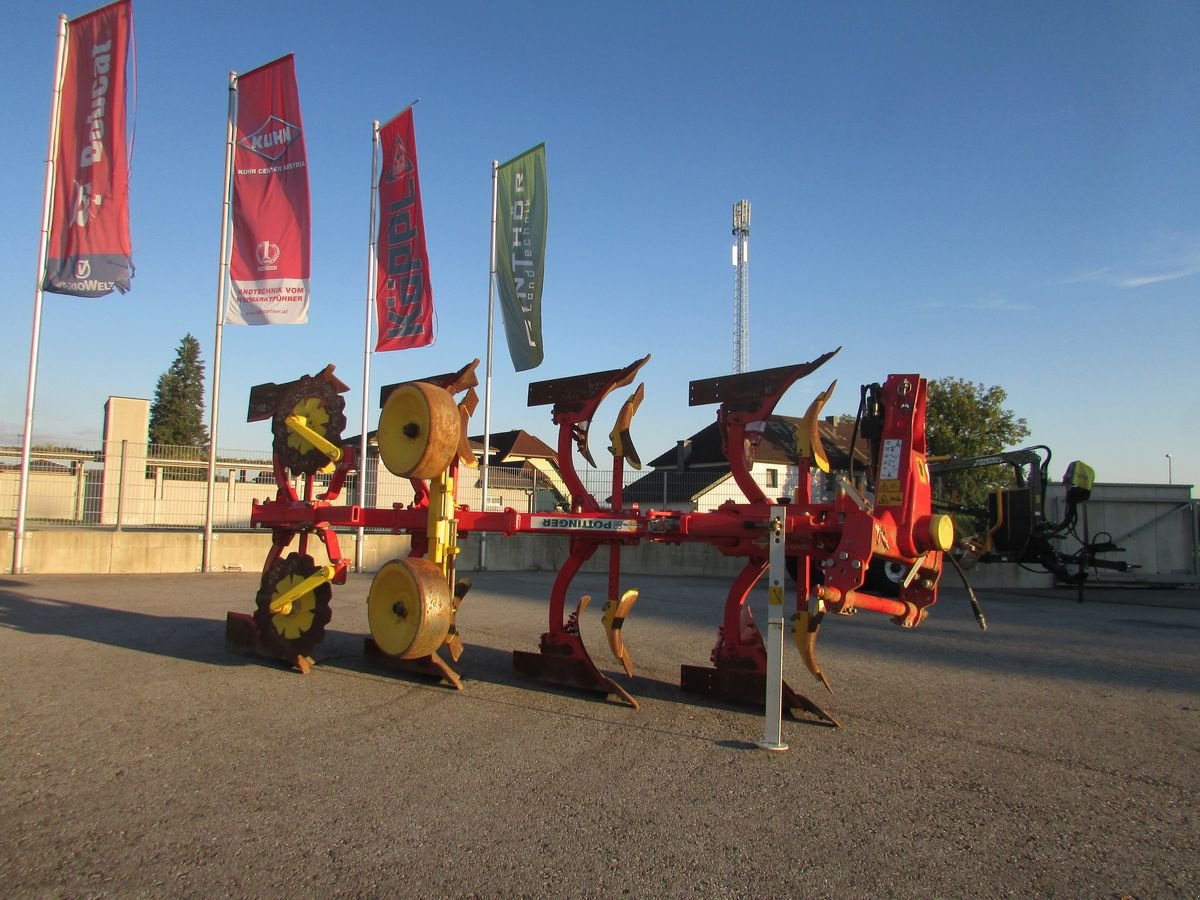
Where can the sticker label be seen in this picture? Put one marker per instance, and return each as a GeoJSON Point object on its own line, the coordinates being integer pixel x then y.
{"type": "Point", "coordinates": [889, 462]}
{"type": "Point", "coordinates": [589, 523]}
{"type": "Point", "coordinates": [889, 493]}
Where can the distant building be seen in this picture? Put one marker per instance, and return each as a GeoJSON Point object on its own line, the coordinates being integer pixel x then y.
{"type": "Point", "coordinates": [695, 476]}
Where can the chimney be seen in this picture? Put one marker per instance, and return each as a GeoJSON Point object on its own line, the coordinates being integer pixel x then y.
{"type": "Point", "coordinates": [683, 452]}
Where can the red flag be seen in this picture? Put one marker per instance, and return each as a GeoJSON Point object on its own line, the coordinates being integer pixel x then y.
{"type": "Point", "coordinates": [89, 252]}
{"type": "Point", "coordinates": [268, 267]}
{"type": "Point", "coordinates": [403, 295]}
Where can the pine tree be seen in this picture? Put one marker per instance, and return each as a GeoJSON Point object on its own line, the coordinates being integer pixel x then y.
{"type": "Point", "coordinates": [177, 414]}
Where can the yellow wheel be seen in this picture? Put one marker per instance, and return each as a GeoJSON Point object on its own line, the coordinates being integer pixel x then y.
{"type": "Point", "coordinates": [418, 430]}
{"type": "Point", "coordinates": [409, 608]}
{"type": "Point", "coordinates": [323, 410]}
{"type": "Point", "coordinates": [297, 630]}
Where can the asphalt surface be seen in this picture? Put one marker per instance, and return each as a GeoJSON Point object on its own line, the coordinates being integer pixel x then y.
{"type": "Point", "coordinates": [1054, 755]}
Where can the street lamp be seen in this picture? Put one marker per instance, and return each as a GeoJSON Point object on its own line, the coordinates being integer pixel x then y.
{"type": "Point", "coordinates": [1168, 468]}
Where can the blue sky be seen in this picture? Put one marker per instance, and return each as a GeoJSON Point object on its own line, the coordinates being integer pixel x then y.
{"type": "Point", "coordinates": [1004, 192]}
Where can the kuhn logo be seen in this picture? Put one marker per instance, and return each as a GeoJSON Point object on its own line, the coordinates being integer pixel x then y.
{"type": "Point", "coordinates": [267, 255]}
{"type": "Point", "coordinates": [272, 139]}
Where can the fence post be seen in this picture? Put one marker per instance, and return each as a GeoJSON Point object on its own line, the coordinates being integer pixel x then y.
{"type": "Point", "coordinates": [121, 487]}
{"type": "Point", "coordinates": [158, 494]}
{"type": "Point", "coordinates": [80, 491]}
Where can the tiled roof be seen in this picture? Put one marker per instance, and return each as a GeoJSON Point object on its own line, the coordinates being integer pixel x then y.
{"type": "Point", "coordinates": [513, 446]}
{"type": "Point", "coordinates": [507, 446]}
{"type": "Point", "coordinates": [778, 445]}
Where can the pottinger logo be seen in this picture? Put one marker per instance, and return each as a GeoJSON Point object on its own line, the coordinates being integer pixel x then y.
{"type": "Point", "coordinates": [267, 255]}
{"type": "Point", "coordinates": [272, 139]}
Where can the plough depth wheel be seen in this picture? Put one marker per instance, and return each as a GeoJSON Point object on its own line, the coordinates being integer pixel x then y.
{"type": "Point", "coordinates": [418, 430]}
{"type": "Point", "coordinates": [296, 631]}
{"type": "Point", "coordinates": [323, 410]}
{"type": "Point", "coordinates": [409, 608]}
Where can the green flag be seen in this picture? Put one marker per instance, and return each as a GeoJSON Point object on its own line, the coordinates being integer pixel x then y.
{"type": "Point", "coordinates": [521, 253]}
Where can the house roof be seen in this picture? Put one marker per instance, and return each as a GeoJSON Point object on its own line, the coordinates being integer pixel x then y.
{"type": "Point", "coordinates": [513, 446]}
{"type": "Point", "coordinates": [704, 464]}
{"type": "Point", "coordinates": [666, 485]}
{"type": "Point", "coordinates": [505, 447]}
{"type": "Point", "coordinates": [703, 449]}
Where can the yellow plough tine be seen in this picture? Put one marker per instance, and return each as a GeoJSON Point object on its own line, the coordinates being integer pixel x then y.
{"type": "Point", "coordinates": [804, 633]}
{"type": "Point", "coordinates": [454, 642]}
{"type": "Point", "coordinates": [615, 612]}
{"type": "Point", "coordinates": [622, 441]}
{"type": "Point", "coordinates": [808, 438]}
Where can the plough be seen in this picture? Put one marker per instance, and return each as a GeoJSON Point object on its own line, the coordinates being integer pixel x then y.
{"type": "Point", "coordinates": [882, 513]}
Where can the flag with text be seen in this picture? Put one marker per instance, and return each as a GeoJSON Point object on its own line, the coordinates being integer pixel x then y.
{"type": "Point", "coordinates": [269, 260]}
{"type": "Point", "coordinates": [403, 294]}
{"type": "Point", "coordinates": [89, 253]}
{"type": "Point", "coordinates": [520, 253]}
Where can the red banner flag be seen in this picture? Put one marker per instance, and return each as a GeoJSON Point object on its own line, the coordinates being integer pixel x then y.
{"type": "Point", "coordinates": [269, 262]}
{"type": "Point", "coordinates": [89, 251]}
{"type": "Point", "coordinates": [403, 295]}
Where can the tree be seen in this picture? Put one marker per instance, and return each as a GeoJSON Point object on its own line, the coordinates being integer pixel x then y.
{"type": "Point", "coordinates": [966, 419]}
{"type": "Point", "coordinates": [177, 414]}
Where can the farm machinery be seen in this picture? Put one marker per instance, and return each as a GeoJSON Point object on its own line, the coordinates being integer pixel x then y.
{"type": "Point", "coordinates": [882, 514]}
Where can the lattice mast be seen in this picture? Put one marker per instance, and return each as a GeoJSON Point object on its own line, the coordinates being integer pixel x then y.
{"type": "Point", "coordinates": [741, 286]}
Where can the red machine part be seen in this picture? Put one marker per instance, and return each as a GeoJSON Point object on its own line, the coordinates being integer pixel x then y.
{"type": "Point", "coordinates": [833, 543]}
{"type": "Point", "coordinates": [900, 526]}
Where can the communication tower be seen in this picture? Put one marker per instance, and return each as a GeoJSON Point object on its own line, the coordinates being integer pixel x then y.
{"type": "Point", "coordinates": [741, 286]}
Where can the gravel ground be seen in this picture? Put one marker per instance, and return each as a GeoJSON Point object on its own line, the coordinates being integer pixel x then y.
{"type": "Point", "coordinates": [1055, 755]}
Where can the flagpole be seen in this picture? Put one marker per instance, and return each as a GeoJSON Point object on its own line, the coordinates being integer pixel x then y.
{"type": "Point", "coordinates": [360, 534]}
{"type": "Point", "coordinates": [487, 382]}
{"type": "Point", "coordinates": [60, 62]}
{"type": "Point", "coordinates": [222, 285]}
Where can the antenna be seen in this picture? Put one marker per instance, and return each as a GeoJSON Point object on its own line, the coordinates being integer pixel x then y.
{"type": "Point", "coordinates": [741, 286]}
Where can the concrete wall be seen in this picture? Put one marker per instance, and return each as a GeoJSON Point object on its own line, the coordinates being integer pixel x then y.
{"type": "Point", "coordinates": [87, 551]}
{"type": "Point", "coordinates": [126, 424]}
{"type": "Point", "coordinates": [107, 552]}
{"type": "Point", "coordinates": [1156, 524]}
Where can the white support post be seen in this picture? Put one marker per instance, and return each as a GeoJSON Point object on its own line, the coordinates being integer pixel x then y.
{"type": "Point", "coordinates": [372, 238]}
{"type": "Point", "coordinates": [60, 64]}
{"type": "Point", "coordinates": [487, 381]}
{"type": "Point", "coordinates": [777, 560]}
{"type": "Point", "coordinates": [222, 288]}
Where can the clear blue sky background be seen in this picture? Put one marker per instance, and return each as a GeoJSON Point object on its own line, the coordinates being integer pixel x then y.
{"type": "Point", "coordinates": [1006, 192]}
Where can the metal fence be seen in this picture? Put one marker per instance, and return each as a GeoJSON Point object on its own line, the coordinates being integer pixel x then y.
{"type": "Point", "coordinates": [129, 485]}
{"type": "Point", "coordinates": [126, 484]}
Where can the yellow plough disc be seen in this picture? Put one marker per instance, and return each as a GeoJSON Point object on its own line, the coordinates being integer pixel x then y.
{"type": "Point", "coordinates": [418, 430]}
{"type": "Point", "coordinates": [409, 608]}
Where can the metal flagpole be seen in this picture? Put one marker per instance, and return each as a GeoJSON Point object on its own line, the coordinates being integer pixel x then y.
{"type": "Point", "coordinates": [60, 62]}
{"type": "Point", "coordinates": [222, 287]}
{"type": "Point", "coordinates": [487, 383]}
{"type": "Point", "coordinates": [360, 534]}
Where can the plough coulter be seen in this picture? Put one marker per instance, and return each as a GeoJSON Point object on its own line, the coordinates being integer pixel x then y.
{"type": "Point", "coordinates": [879, 514]}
